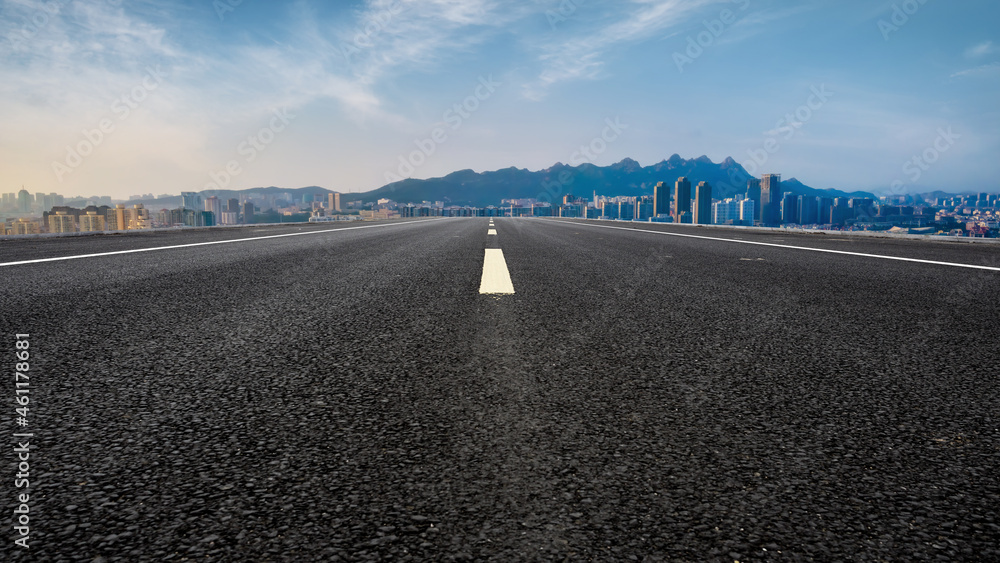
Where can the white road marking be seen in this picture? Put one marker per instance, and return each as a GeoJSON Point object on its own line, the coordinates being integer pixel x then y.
{"type": "Point", "coordinates": [98, 254]}
{"type": "Point", "coordinates": [866, 255]}
{"type": "Point", "coordinates": [496, 278]}
{"type": "Point", "coordinates": [491, 232]}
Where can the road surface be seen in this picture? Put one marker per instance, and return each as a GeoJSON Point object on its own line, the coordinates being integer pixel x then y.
{"type": "Point", "coordinates": [353, 394]}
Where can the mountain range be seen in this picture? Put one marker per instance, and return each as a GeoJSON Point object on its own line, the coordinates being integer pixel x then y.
{"type": "Point", "coordinates": [467, 187]}
{"type": "Point", "coordinates": [626, 178]}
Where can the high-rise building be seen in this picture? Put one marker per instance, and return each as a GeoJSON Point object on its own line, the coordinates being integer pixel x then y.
{"type": "Point", "coordinates": [682, 198]}
{"type": "Point", "coordinates": [333, 201]}
{"type": "Point", "coordinates": [770, 199]}
{"type": "Point", "coordinates": [233, 205]}
{"type": "Point", "coordinates": [24, 201]}
{"type": "Point", "coordinates": [644, 208]}
{"type": "Point", "coordinates": [610, 210]}
{"type": "Point", "coordinates": [790, 209]}
{"type": "Point", "coordinates": [214, 205]}
{"type": "Point", "coordinates": [753, 194]}
{"type": "Point", "coordinates": [661, 199]}
{"type": "Point", "coordinates": [626, 209]}
{"type": "Point", "coordinates": [247, 212]}
{"type": "Point", "coordinates": [137, 217]}
{"type": "Point", "coordinates": [26, 226]}
{"type": "Point", "coordinates": [863, 208]}
{"type": "Point", "coordinates": [62, 222]}
{"type": "Point", "coordinates": [726, 212]}
{"type": "Point", "coordinates": [826, 210]}
{"type": "Point", "coordinates": [841, 212]}
{"type": "Point", "coordinates": [703, 204]}
{"type": "Point", "coordinates": [808, 210]}
{"type": "Point", "coordinates": [191, 200]}
{"type": "Point", "coordinates": [748, 211]}
{"type": "Point", "coordinates": [117, 218]}
{"type": "Point", "coordinates": [92, 222]}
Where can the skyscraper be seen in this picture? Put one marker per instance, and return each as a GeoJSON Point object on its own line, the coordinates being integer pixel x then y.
{"type": "Point", "coordinates": [661, 199]}
{"type": "Point", "coordinates": [770, 199]}
{"type": "Point", "coordinates": [682, 198]}
{"type": "Point", "coordinates": [808, 210]}
{"type": "Point", "coordinates": [790, 209]}
{"type": "Point", "coordinates": [753, 194]}
{"type": "Point", "coordinates": [24, 201]}
{"type": "Point", "coordinates": [247, 212]}
{"type": "Point", "coordinates": [333, 202]}
{"type": "Point", "coordinates": [191, 200]}
{"type": "Point", "coordinates": [214, 205]}
{"type": "Point", "coordinates": [747, 212]}
{"type": "Point", "coordinates": [826, 210]}
{"type": "Point", "coordinates": [117, 219]}
{"type": "Point", "coordinates": [703, 204]}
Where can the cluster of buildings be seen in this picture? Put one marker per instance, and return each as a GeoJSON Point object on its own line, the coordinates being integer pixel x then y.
{"type": "Point", "coordinates": [195, 211]}
{"type": "Point", "coordinates": [763, 204]}
{"type": "Point", "coordinates": [24, 202]}
{"type": "Point", "coordinates": [119, 217]}
{"type": "Point", "coordinates": [94, 218]}
{"type": "Point", "coordinates": [766, 204]}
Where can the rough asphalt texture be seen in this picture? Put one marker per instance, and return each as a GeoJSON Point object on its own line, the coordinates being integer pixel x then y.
{"type": "Point", "coordinates": [350, 396]}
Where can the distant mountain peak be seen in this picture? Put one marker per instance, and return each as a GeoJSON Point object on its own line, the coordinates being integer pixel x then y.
{"type": "Point", "coordinates": [704, 159]}
{"type": "Point", "coordinates": [626, 164]}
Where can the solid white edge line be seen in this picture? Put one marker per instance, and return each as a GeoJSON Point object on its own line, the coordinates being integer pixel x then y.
{"type": "Point", "coordinates": [193, 244]}
{"type": "Point", "coordinates": [884, 257]}
{"type": "Point", "coordinates": [496, 277]}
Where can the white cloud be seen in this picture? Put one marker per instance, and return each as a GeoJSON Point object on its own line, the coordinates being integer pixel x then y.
{"type": "Point", "coordinates": [580, 56]}
{"type": "Point", "coordinates": [981, 50]}
{"type": "Point", "coordinates": [992, 69]}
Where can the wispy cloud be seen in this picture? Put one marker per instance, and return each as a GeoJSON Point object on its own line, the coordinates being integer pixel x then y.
{"type": "Point", "coordinates": [981, 50]}
{"type": "Point", "coordinates": [991, 69]}
{"type": "Point", "coordinates": [581, 55]}
{"type": "Point", "coordinates": [349, 61]}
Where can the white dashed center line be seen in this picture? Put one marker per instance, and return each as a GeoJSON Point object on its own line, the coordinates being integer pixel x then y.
{"type": "Point", "coordinates": [491, 232]}
{"type": "Point", "coordinates": [496, 278]}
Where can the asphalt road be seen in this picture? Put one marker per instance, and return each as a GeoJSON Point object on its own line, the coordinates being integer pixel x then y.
{"type": "Point", "coordinates": [350, 395]}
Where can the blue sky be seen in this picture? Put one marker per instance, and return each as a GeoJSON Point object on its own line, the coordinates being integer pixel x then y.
{"type": "Point", "coordinates": [121, 97]}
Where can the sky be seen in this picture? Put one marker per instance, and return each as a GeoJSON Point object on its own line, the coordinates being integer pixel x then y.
{"type": "Point", "coordinates": [128, 97]}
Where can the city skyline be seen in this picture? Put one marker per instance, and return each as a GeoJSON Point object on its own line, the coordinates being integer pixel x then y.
{"type": "Point", "coordinates": [180, 96]}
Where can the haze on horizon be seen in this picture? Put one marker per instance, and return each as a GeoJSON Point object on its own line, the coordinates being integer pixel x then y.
{"type": "Point", "coordinates": [351, 95]}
